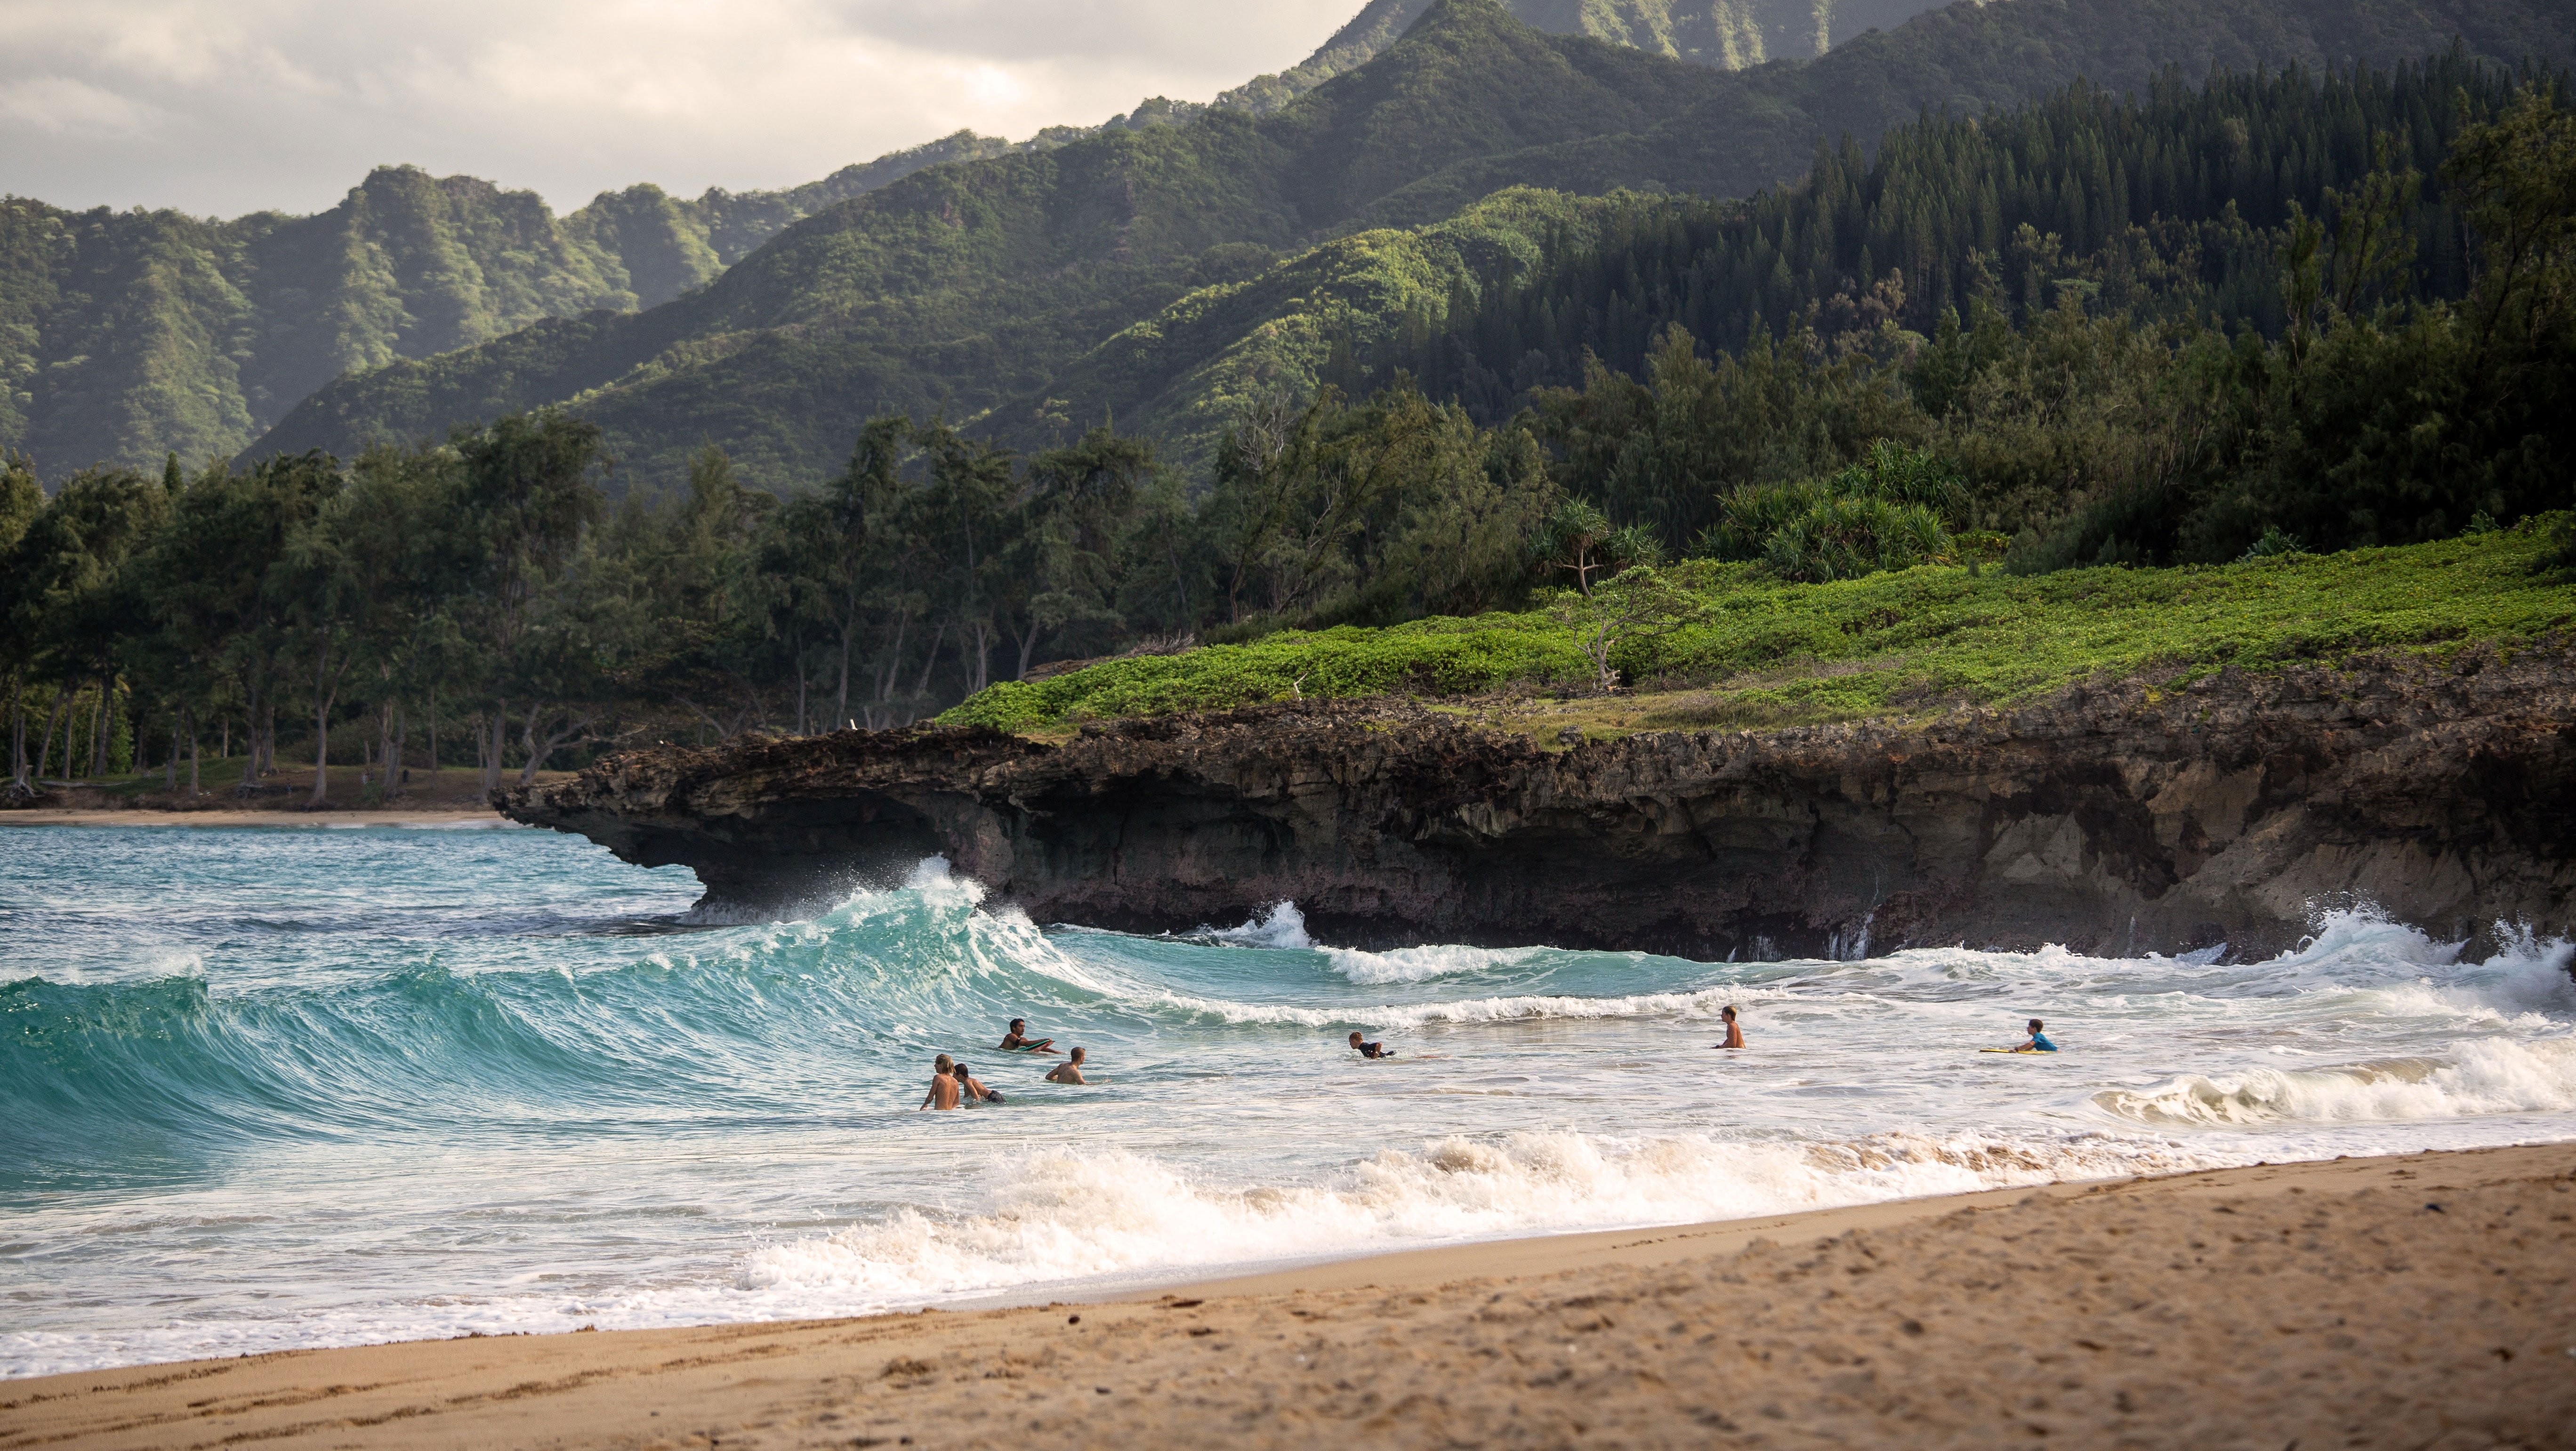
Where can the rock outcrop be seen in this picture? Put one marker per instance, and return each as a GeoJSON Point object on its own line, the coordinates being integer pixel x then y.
{"type": "Point", "coordinates": [2131, 817]}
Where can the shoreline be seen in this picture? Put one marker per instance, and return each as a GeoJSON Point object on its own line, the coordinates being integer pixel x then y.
{"type": "Point", "coordinates": [2382, 1298]}
{"type": "Point", "coordinates": [220, 817]}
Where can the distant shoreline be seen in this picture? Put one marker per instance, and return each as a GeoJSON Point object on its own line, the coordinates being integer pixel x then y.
{"type": "Point", "coordinates": [2425, 1291]}
{"type": "Point", "coordinates": [431, 817]}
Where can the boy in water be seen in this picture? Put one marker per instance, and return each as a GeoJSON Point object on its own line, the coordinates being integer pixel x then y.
{"type": "Point", "coordinates": [1370, 1050]}
{"type": "Point", "coordinates": [1017, 1040]}
{"type": "Point", "coordinates": [1069, 1071]}
{"type": "Point", "coordinates": [972, 1088]}
{"type": "Point", "coordinates": [2038, 1040]}
{"type": "Point", "coordinates": [1734, 1032]}
{"type": "Point", "coordinates": [943, 1084]}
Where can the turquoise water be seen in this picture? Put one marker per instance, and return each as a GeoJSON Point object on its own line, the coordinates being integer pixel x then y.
{"type": "Point", "coordinates": [270, 1088]}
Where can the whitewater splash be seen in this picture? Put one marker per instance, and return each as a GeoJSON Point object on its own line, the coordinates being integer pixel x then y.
{"type": "Point", "coordinates": [2483, 1076]}
{"type": "Point", "coordinates": [389, 1107]}
{"type": "Point", "coordinates": [1060, 1219]}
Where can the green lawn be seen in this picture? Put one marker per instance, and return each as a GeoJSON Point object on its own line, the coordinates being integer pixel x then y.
{"type": "Point", "coordinates": [1776, 653]}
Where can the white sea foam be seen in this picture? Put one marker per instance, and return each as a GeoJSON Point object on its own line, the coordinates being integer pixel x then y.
{"type": "Point", "coordinates": [2482, 1076]}
{"type": "Point", "coordinates": [1112, 1213]}
{"type": "Point", "coordinates": [1421, 964]}
{"type": "Point", "coordinates": [1280, 925]}
{"type": "Point", "coordinates": [1463, 1010]}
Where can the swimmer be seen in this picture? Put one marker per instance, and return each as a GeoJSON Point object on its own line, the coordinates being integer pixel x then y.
{"type": "Point", "coordinates": [2038, 1042]}
{"type": "Point", "coordinates": [973, 1089]}
{"type": "Point", "coordinates": [1069, 1071]}
{"type": "Point", "coordinates": [943, 1084]}
{"type": "Point", "coordinates": [1734, 1031]}
{"type": "Point", "coordinates": [1370, 1050]}
{"type": "Point", "coordinates": [1017, 1040]}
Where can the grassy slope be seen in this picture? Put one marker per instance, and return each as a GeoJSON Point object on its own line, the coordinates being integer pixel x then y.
{"type": "Point", "coordinates": [1891, 645]}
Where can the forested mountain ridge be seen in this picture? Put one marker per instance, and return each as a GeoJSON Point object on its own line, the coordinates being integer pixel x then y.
{"type": "Point", "coordinates": [963, 286]}
{"type": "Point", "coordinates": [127, 335]}
{"type": "Point", "coordinates": [1002, 291]}
{"type": "Point", "coordinates": [1729, 34]}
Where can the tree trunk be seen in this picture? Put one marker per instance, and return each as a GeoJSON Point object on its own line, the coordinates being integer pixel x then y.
{"type": "Point", "coordinates": [1028, 647]}
{"type": "Point", "coordinates": [71, 731]}
{"type": "Point", "coordinates": [538, 755]}
{"type": "Point", "coordinates": [433, 731]}
{"type": "Point", "coordinates": [192, 755]}
{"type": "Point", "coordinates": [18, 730]}
{"type": "Point", "coordinates": [170, 772]}
{"type": "Point", "coordinates": [499, 737]}
{"type": "Point", "coordinates": [45, 745]}
{"type": "Point", "coordinates": [930, 661]}
{"type": "Point", "coordinates": [841, 707]}
{"type": "Point", "coordinates": [98, 731]}
{"type": "Point", "coordinates": [322, 732]}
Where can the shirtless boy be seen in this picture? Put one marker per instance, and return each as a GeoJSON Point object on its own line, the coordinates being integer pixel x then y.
{"type": "Point", "coordinates": [1370, 1050]}
{"type": "Point", "coordinates": [1069, 1071]}
{"type": "Point", "coordinates": [972, 1089]}
{"type": "Point", "coordinates": [1734, 1030]}
{"type": "Point", "coordinates": [1018, 1041]}
{"type": "Point", "coordinates": [943, 1084]}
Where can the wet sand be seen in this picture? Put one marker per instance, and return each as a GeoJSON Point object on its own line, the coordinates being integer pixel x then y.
{"type": "Point", "coordinates": [2425, 1301]}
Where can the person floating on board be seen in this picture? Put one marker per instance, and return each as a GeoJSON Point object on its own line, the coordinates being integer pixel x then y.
{"type": "Point", "coordinates": [1069, 1071]}
{"type": "Point", "coordinates": [1734, 1030]}
{"type": "Point", "coordinates": [972, 1089]}
{"type": "Point", "coordinates": [2038, 1042]}
{"type": "Point", "coordinates": [1017, 1040]}
{"type": "Point", "coordinates": [943, 1084]}
{"type": "Point", "coordinates": [1370, 1050]}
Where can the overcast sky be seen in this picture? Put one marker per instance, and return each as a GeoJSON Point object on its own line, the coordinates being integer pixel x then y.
{"type": "Point", "coordinates": [229, 106]}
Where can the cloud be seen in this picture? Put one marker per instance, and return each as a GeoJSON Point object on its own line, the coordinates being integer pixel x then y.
{"type": "Point", "coordinates": [61, 105]}
{"type": "Point", "coordinates": [226, 106]}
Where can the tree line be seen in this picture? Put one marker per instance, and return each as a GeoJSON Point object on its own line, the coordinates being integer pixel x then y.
{"type": "Point", "coordinates": [2402, 371]}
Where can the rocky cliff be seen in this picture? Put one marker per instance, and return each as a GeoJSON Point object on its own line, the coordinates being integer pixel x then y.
{"type": "Point", "coordinates": [2114, 819]}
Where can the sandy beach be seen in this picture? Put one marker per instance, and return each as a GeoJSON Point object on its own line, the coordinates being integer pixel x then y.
{"type": "Point", "coordinates": [2423, 1301]}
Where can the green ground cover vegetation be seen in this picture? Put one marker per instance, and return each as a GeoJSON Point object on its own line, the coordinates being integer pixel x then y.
{"type": "Point", "coordinates": [1768, 651]}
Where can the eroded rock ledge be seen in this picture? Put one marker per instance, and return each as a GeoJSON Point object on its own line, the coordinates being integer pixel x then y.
{"type": "Point", "coordinates": [2107, 819]}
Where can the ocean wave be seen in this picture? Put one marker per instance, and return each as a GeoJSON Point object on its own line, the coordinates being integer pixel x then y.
{"type": "Point", "coordinates": [2482, 1076]}
{"type": "Point", "coordinates": [1421, 964]}
{"type": "Point", "coordinates": [1067, 1217]}
{"type": "Point", "coordinates": [1701, 1003]}
{"type": "Point", "coordinates": [1279, 925]}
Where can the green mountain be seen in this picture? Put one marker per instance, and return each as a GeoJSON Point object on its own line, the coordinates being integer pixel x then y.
{"type": "Point", "coordinates": [1157, 276]}
{"type": "Point", "coordinates": [1728, 34]}
{"type": "Point", "coordinates": [125, 335]}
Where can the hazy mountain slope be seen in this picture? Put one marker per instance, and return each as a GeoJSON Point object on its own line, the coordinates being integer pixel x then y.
{"type": "Point", "coordinates": [984, 289]}
{"type": "Point", "coordinates": [1178, 373]}
{"type": "Point", "coordinates": [1766, 127]}
{"type": "Point", "coordinates": [123, 335]}
{"type": "Point", "coordinates": [127, 334]}
{"type": "Point", "coordinates": [1730, 34]}
{"type": "Point", "coordinates": [962, 286]}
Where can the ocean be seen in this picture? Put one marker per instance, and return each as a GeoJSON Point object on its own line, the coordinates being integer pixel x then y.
{"type": "Point", "coordinates": [274, 1088]}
